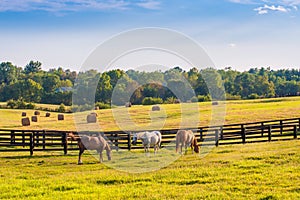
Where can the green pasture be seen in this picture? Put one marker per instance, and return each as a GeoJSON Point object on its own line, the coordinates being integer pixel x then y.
{"type": "Point", "coordinates": [263, 171]}
{"type": "Point", "coordinates": [251, 171]}
{"type": "Point", "coordinates": [170, 116]}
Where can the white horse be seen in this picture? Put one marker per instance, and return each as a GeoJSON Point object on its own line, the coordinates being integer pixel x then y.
{"type": "Point", "coordinates": [148, 139]}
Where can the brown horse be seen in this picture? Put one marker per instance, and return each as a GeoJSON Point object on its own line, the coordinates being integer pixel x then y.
{"type": "Point", "coordinates": [186, 138]}
{"type": "Point", "coordinates": [91, 143]}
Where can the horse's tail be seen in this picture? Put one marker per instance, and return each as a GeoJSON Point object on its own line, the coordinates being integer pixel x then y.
{"type": "Point", "coordinates": [159, 139]}
{"type": "Point", "coordinates": [178, 135]}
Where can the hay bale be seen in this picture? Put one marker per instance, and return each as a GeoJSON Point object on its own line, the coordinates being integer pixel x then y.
{"type": "Point", "coordinates": [24, 114]}
{"type": "Point", "coordinates": [25, 121]}
{"type": "Point", "coordinates": [91, 118]}
{"type": "Point", "coordinates": [60, 117]}
{"type": "Point", "coordinates": [37, 113]}
{"type": "Point", "coordinates": [34, 119]}
{"type": "Point", "coordinates": [155, 108]}
{"type": "Point", "coordinates": [48, 114]}
{"type": "Point", "coordinates": [128, 105]}
{"type": "Point", "coordinates": [215, 103]}
{"type": "Point", "coordinates": [177, 101]}
{"type": "Point", "coordinates": [97, 108]}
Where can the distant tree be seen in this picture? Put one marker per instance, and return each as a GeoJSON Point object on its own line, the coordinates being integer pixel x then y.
{"type": "Point", "coordinates": [33, 67]}
{"type": "Point", "coordinates": [8, 73]}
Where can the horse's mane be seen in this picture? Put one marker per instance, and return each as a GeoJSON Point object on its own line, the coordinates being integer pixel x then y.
{"type": "Point", "coordinates": [73, 137]}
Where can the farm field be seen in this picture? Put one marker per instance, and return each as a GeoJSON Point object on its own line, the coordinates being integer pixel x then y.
{"type": "Point", "coordinates": [141, 117]}
{"type": "Point", "coordinates": [251, 171]}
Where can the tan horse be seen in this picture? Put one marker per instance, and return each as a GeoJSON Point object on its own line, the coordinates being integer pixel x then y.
{"type": "Point", "coordinates": [186, 138]}
{"type": "Point", "coordinates": [91, 143]}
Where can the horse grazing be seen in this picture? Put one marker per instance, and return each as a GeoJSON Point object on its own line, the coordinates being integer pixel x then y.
{"type": "Point", "coordinates": [91, 143]}
{"type": "Point", "coordinates": [148, 139]}
{"type": "Point", "coordinates": [186, 138]}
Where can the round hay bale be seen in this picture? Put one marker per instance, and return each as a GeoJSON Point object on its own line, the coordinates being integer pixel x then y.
{"type": "Point", "coordinates": [37, 113]}
{"type": "Point", "coordinates": [215, 103]}
{"type": "Point", "coordinates": [155, 108]}
{"type": "Point", "coordinates": [177, 101]}
{"type": "Point", "coordinates": [24, 114]}
{"type": "Point", "coordinates": [128, 105]}
{"type": "Point", "coordinates": [34, 119]}
{"type": "Point", "coordinates": [25, 121]}
{"type": "Point", "coordinates": [48, 114]}
{"type": "Point", "coordinates": [91, 118]}
{"type": "Point", "coordinates": [60, 117]}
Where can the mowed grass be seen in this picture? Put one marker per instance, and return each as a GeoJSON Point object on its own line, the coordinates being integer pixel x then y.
{"type": "Point", "coordinates": [170, 116]}
{"type": "Point", "coordinates": [251, 171]}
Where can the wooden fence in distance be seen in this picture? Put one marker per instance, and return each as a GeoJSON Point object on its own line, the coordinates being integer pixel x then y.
{"type": "Point", "coordinates": [41, 140]}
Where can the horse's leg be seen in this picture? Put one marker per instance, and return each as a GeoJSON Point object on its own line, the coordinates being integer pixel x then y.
{"type": "Point", "coordinates": [192, 147]}
{"type": "Point", "coordinates": [181, 145]}
{"type": "Point", "coordinates": [81, 150]}
{"type": "Point", "coordinates": [185, 149]}
{"type": "Point", "coordinates": [108, 152]}
{"type": "Point", "coordinates": [101, 156]}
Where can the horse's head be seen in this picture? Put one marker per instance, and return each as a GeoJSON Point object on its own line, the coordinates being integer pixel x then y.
{"type": "Point", "coordinates": [134, 139]}
{"type": "Point", "coordinates": [195, 145]}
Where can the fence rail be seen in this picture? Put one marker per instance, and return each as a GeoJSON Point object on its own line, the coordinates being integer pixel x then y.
{"type": "Point", "coordinates": [42, 140]}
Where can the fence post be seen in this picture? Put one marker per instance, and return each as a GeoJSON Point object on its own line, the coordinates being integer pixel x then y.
{"type": "Point", "coordinates": [243, 133]}
{"type": "Point", "coordinates": [31, 144]}
{"type": "Point", "coordinates": [65, 143]}
{"type": "Point", "coordinates": [281, 128]}
{"type": "Point", "coordinates": [129, 141]}
{"type": "Point", "coordinates": [44, 139]}
{"type": "Point", "coordinates": [221, 133]}
{"type": "Point", "coordinates": [116, 140]}
{"type": "Point", "coordinates": [12, 137]}
{"type": "Point", "coordinates": [269, 133]}
{"type": "Point", "coordinates": [295, 132]}
{"type": "Point", "coordinates": [23, 139]}
{"type": "Point", "coordinates": [262, 129]}
{"type": "Point", "coordinates": [217, 137]}
{"type": "Point", "coordinates": [201, 134]}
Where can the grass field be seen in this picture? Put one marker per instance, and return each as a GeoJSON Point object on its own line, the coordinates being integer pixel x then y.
{"type": "Point", "coordinates": [141, 117]}
{"type": "Point", "coordinates": [251, 171]}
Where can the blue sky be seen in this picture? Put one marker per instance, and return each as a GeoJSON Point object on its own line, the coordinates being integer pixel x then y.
{"type": "Point", "coordinates": [237, 33]}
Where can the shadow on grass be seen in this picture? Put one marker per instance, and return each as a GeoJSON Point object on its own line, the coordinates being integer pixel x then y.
{"type": "Point", "coordinates": [13, 157]}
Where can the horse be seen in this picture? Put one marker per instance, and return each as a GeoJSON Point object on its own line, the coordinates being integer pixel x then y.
{"type": "Point", "coordinates": [91, 143]}
{"type": "Point", "coordinates": [148, 139]}
{"type": "Point", "coordinates": [186, 138]}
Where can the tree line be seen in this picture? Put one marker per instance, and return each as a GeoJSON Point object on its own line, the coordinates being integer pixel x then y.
{"type": "Point", "coordinates": [56, 86]}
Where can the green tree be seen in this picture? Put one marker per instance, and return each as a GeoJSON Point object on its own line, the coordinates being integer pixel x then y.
{"type": "Point", "coordinates": [104, 89]}
{"type": "Point", "coordinates": [8, 73]}
{"type": "Point", "coordinates": [33, 67]}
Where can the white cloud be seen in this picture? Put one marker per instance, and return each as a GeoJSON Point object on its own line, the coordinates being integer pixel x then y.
{"type": "Point", "coordinates": [266, 8]}
{"type": "Point", "coordinates": [153, 5]}
{"type": "Point", "coordinates": [277, 2]}
{"type": "Point", "coordinates": [74, 5]}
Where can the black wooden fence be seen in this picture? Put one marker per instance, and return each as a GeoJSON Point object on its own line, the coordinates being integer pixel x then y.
{"type": "Point", "coordinates": [41, 140]}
